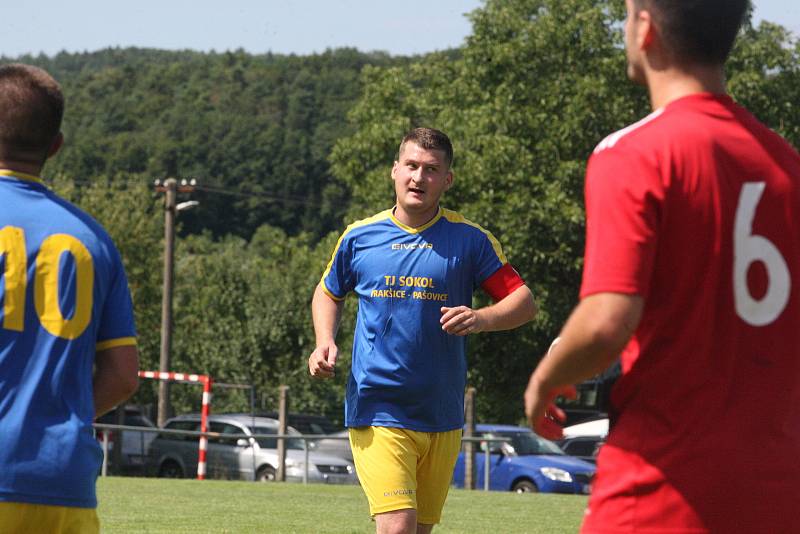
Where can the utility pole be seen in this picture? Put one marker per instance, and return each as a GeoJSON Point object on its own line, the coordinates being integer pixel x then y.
{"type": "Point", "coordinates": [283, 416]}
{"type": "Point", "coordinates": [171, 189]}
{"type": "Point", "coordinates": [469, 446]}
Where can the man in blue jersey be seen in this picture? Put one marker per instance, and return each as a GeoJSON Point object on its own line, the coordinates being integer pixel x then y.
{"type": "Point", "coordinates": [414, 268]}
{"type": "Point", "coordinates": [67, 339]}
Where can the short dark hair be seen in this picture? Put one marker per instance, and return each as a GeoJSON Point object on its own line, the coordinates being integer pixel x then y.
{"type": "Point", "coordinates": [31, 109]}
{"type": "Point", "coordinates": [429, 139]}
{"type": "Point", "coordinates": [698, 31]}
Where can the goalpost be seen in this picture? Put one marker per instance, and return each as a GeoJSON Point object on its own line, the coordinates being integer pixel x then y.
{"type": "Point", "coordinates": [207, 382]}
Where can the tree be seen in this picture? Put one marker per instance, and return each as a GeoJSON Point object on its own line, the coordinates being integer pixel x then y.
{"type": "Point", "coordinates": [255, 130]}
{"type": "Point", "coordinates": [538, 84]}
{"type": "Point", "coordinates": [133, 217]}
{"type": "Point", "coordinates": [764, 75]}
{"type": "Point", "coordinates": [242, 316]}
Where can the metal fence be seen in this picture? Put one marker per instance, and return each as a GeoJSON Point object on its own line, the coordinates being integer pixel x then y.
{"type": "Point", "coordinates": [102, 432]}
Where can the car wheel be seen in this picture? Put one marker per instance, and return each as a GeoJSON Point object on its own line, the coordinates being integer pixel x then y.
{"type": "Point", "coordinates": [170, 469]}
{"type": "Point", "coordinates": [265, 473]}
{"type": "Point", "coordinates": [525, 486]}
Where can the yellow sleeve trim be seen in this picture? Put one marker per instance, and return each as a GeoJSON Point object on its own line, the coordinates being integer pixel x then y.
{"type": "Point", "coordinates": [455, 217]}
{"type": "Point", "coordinates": [111, 343]}
{"type": "Point", "coordinates": [328, 292]}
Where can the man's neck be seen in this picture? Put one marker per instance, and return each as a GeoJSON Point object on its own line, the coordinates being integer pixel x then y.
{"type": "Point", "coordinates": [415, 220]}
{"type": "Point", "coordinates": [21, 166]}
{"type": "Point", "coordinates": [668, 85]}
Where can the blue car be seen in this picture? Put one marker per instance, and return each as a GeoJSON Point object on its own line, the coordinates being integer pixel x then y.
{"type": "Point", "coordinates": [528, 463]}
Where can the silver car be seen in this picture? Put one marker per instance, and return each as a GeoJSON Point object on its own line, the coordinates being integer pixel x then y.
{"type": "Point", "coordinates": [242, 456]}
{"type": "Point", "coordinates": [135, 444]}
{"type": "Point", "coordinates": [335, 444]}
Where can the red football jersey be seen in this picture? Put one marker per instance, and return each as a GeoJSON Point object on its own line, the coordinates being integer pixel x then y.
{"type": "Point", "coordinates": [697, 209]}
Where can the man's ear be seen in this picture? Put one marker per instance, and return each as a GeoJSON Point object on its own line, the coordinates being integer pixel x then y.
{"type": "Point", "coordinates": [58, 142]}
{"type": "Point", "coordinates": [645, 30]}
{"type": "Point", "coordinates": [449, 180]}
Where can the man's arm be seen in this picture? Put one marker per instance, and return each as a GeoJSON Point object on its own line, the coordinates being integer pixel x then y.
{"type": "Point", "coordinates": [514, 310]}
{"type": "Point", "coordinates": [326, 314]}
{"type": "Point", "coordinates": [116, 377]}
{"type": "Point", "coordinates": [593, 337]}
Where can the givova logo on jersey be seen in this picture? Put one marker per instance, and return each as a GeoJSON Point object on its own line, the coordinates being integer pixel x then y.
{"type": "Point", "coordinates": [411, 246]}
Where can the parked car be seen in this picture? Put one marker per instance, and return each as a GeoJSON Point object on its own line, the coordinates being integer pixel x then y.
{"type": "Point", "coordinates": [583, 447]}
{"type": "Point", "coordinates": [134, 443]}
{"type": "Point", "coordinates": [528, 463]}
{"type": "Point", "coordinates": [334, 445]}
{"type": "Point", "coordinates": [236, 454]}
{"type": "Point", "coordinates": [585, 439]}
{"type": "Point", "coordinates": [594, 427]}
{"type": "Point", "coordinates": [306, 423]}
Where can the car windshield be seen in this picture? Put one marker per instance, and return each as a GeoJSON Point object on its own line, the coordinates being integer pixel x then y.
{"type": "Point", "coordinates": [525, 443]}
{"type": "Point", "coordinates": [272, 443]}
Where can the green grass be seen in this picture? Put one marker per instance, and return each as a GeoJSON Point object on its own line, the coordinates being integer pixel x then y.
{"type": "Point", "coordinates": [149, 505]}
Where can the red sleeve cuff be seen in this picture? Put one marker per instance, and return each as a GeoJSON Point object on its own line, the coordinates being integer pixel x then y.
{"type": "Point", "coordinates": [503, 282]}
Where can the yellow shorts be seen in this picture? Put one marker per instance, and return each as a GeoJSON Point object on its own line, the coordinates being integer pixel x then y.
{"type": "Point", "coordinates": [23, 518]}
{"type": "Point", "coordinates": [400, 468]}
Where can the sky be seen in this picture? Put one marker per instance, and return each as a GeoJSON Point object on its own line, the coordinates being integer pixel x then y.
{"type": "Point", "coordinates": [281, 26]}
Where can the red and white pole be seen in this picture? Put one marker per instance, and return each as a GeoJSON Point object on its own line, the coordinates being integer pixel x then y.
{"type": "Point", "coordinates": [206, 408]}
{"type": "Point", "coordinates": [201, 455]}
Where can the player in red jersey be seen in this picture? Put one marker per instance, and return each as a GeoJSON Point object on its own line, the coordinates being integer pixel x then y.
{"type": "Point", "coordinates": [692, 273]}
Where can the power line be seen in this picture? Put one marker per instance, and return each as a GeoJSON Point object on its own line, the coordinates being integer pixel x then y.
{"type": "Point", "coordinates": [249, 194]}
{"type": "Point", "coordinates": [220, 190]}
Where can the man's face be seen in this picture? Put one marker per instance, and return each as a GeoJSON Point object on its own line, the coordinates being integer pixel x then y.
{"type": "Point", "coordinates": [420, 177]}
{"type": "Point", "coordinates": [632, 50]}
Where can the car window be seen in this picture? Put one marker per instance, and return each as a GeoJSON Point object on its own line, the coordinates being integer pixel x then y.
{"type": "Point", "coordinates": [583, 447]}
{"type": "Point", "coordinates": [137, 420]}
{"type": "Point", "coordinates": [229, 434]}
{"type": "Point", "coordinates": [522, 443]}
{"type": "Point", "coordinates": [495, 447]}
{"type": "Point", "coordinates": [314, 428]}
{"type": "Point", "coordinates": [307, 423]}
{"type": "Point", "coordinates": [266, 443]}
{"type": "Point", "coordinates": [181, 425]}
{"type": "Point", "coordinates": [272, 443]}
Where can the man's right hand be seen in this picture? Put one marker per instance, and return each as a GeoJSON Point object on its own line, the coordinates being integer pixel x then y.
{"type": "Point", "coordinates": [322, 361]}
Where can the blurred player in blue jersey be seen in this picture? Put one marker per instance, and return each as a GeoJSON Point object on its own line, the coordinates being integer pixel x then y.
{"type": "Point", "coordinates": [414, 268]}
{"type": "Point", "coordinates": [67, 339]}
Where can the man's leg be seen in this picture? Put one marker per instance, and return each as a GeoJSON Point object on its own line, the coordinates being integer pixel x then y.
{"type": "Point", "coordinates": [397, 522]}
{"type": "Point", "coordinates": [434, 475]}
{"type": "Point", "coordinates": [386, 462]}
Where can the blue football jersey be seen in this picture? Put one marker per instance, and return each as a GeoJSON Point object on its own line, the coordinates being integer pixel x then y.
{"type": "Point", "coordinates": [406, 371]}
{"type": "Point", "coordinates": [63, 296]}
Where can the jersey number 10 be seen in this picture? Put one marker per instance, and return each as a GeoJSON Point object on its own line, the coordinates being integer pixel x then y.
{"type": "Point", "coordinates": [45, 289]}
{"type": "Point", "coordinates": [749, 248]}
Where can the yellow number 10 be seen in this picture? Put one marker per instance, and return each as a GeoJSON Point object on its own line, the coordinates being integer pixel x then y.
{"type": "Point", "coordinates": [45, 290]}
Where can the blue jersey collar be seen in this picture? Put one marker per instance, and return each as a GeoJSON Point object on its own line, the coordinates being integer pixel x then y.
{"type": "Point", "coordinates": [418, 229]}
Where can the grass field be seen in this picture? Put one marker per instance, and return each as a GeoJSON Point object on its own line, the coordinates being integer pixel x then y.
{"type": "Point", "coordinates": [149, 505]}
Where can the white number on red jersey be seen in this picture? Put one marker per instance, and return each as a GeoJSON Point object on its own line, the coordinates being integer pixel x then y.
{"type": "Point", "coordinates": [749, 248]}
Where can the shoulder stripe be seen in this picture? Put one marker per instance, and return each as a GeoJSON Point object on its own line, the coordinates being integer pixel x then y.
{"type": "Point", "coordinates": [20, 176]}
{"type": "Point", "coordinates": [457, 218]}
{"type": "Point", "coordinates": [614, 138]}
{"type": "Point", "coordinates": [385, 214]}
{"type": "Point", "coordinates": [111, 343]}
